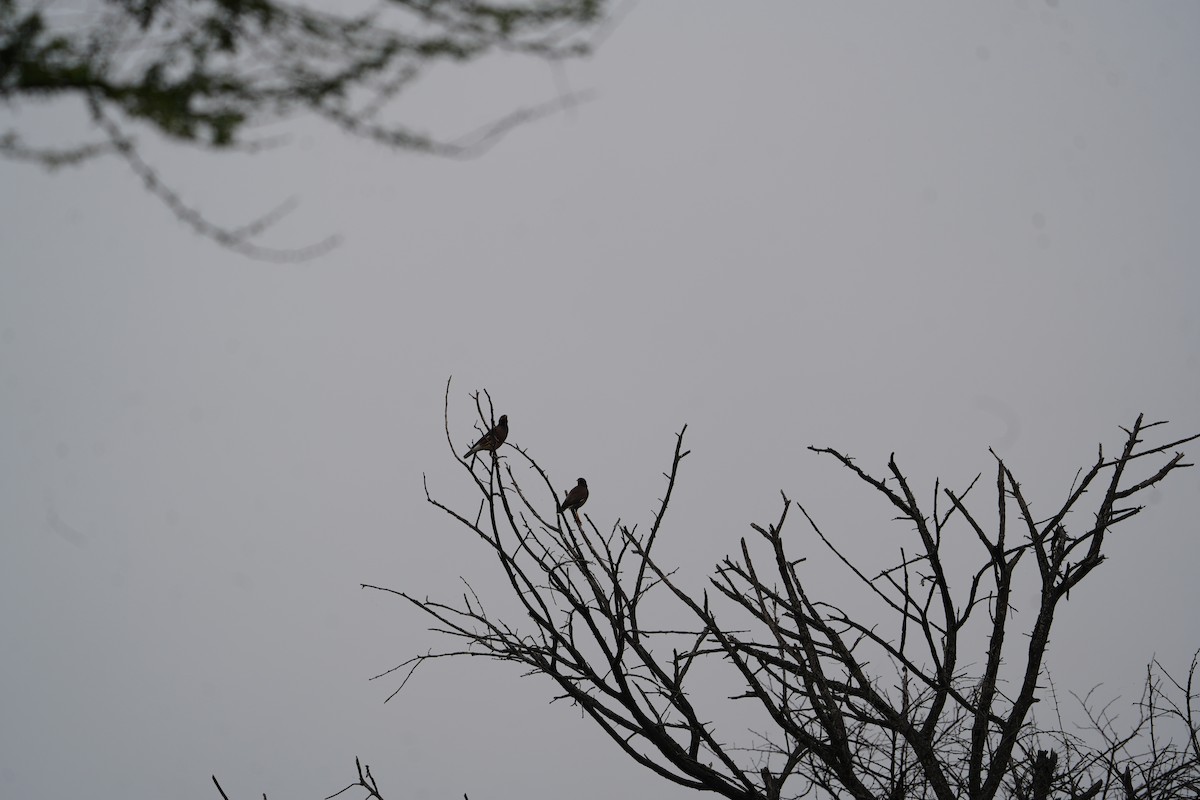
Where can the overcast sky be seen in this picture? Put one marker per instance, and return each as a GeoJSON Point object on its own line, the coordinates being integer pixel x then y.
{"type": "Point", "coordinates": [926, 228]}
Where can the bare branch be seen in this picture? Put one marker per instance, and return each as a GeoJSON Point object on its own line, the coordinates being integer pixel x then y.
{"type": "Point", "coordinates": [848, 705]}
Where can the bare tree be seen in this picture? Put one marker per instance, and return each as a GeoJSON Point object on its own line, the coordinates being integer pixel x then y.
{"type": "Point", "coordinates": [207, 73]}
{"type": "Point", "coordinates": [934, 699]}
{"type": "Point", "coordinates": [1156, 755]}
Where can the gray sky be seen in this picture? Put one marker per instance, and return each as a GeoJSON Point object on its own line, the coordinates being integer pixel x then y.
{"type": "Point", "coordinates": [922, 228]}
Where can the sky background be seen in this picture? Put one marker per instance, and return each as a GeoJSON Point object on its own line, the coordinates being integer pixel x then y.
{"type": "Point", "coordinates": [921, 228]}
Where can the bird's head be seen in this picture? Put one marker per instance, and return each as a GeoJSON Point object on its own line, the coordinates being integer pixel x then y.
{"type": "Point", "coordinates": [504, 419]}
{"type": "Point", "coordinates": [583, 483]}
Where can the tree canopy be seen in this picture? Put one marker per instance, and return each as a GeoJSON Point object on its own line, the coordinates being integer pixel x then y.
{"type": "Point", "coordinates": [209, 72]}
{"type": "Point", "coordinates": [933, 696]}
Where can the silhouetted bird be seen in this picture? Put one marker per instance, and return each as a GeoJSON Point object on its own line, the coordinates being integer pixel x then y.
{"type": "Point", "coordinates": [575, 498]}
{"type": "Point", "coordinates": [492, 439]}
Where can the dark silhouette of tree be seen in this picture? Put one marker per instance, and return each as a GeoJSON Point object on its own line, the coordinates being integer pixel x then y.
{"type": "Point", "coordinates": [208, 72]}
{"type": "Point", "coordinates": [932, 698]}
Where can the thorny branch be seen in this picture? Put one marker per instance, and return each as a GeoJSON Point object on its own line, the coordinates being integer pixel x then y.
{"type": "Point", "coordinates": [848, 706]}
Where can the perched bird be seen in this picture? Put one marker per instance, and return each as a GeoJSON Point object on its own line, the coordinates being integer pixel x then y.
{"type": "Point", "coordinates": [492, 439]}
{"type": "Point", "coordinates": [575, 498]}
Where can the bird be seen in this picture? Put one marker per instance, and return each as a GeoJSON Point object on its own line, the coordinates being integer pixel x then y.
{"type": "Point", "coordinates": [492, 439]}
{"type": "Point", "coordinates": [575, 498]}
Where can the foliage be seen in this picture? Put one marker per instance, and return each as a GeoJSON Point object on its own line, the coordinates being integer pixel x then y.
{"type": "Point", "coordinates": [206, 72]}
